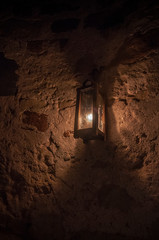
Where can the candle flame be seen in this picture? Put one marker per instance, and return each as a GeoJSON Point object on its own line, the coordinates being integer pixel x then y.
{"type": "Point", "coordinates": [90, 117]}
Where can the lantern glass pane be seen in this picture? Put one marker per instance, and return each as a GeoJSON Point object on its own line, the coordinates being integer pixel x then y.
{"type": "Point", "coordinates": [101, 113]}
{"type": "Point", "coordinates": [86, 109]}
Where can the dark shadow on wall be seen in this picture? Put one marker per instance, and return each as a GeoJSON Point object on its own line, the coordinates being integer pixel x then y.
{"type": "Point", "coordinates": [8, 77]}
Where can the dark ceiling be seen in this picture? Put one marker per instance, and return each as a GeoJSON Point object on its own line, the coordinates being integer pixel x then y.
{"type": "Point", "coordinates": [118, 9]}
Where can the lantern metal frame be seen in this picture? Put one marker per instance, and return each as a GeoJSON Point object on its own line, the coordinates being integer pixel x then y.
{"type": "Point", "coordinates": [94, 132]}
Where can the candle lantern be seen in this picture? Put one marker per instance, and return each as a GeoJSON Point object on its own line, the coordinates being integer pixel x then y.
{"type": "Point", "coordinates": [90, 112]}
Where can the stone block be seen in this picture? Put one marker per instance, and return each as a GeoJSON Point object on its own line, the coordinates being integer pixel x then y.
{"type": "Point", "coordinates": [35, 119]}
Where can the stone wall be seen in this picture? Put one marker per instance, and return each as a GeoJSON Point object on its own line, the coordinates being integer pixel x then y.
{"type": "Point", "coordinates": [53, 186]}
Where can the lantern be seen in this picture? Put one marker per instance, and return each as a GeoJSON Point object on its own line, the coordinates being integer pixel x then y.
{"type": "Point", "coordinates": [90, 113]}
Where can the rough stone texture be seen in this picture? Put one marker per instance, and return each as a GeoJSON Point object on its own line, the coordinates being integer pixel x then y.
{"type": "Point", "coordinates": [53, 186]}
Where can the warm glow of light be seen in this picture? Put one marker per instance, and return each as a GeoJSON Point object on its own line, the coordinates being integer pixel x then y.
{"type": "Point", "coordinates": [90, 117]}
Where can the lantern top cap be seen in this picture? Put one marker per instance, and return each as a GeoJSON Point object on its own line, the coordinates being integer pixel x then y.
{"type": "Point", "coordinates": [88, 83]}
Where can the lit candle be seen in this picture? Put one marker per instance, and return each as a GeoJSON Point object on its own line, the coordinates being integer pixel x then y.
{"type": "Point", "coordinates": [90, 117]}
